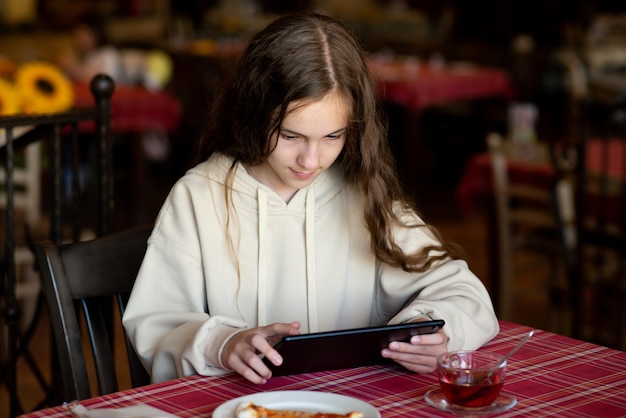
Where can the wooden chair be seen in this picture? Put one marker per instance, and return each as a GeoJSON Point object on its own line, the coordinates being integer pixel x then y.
{"type": "Point", "coordinates": [526, 234]}
{"type": "Point", "coordinates": [592, 217]}
{"type": "Point", "coordinates": [87, 274]}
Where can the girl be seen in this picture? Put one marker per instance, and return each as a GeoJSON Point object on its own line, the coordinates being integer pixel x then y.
{"type": "Point", "coordinates": [295, 221]}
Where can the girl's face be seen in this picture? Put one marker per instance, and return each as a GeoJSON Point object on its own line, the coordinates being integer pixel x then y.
{"type": "Point", "coordinates": [309, 141]}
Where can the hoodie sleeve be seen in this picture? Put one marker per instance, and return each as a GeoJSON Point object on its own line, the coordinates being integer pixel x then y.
{"type": "Point", "coordinates": [166, 318]}
{"type": "Point", "coordinates": [448, 291]}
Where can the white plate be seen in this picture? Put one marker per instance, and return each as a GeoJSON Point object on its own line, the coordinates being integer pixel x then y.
{"type": "Point", "coordinates": [300, 400]}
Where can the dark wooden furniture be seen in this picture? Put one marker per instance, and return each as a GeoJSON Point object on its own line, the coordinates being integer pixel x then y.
{"type": "Point", "coordinates": [57, 132]}
{"type": "Point", "coordinates": [527, 239]}
{"type": "Point", "coordinates": [594, 232]}
{"type": "Point", "coordinates": [87, 274]}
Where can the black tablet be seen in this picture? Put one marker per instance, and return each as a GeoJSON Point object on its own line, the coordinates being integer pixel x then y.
{"type": "Point", "coordinates": [343, 349]}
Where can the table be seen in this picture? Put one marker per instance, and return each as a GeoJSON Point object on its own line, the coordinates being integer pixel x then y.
{"type": "Point", "coordinates": [417, 85]}
{"type": "Point", "coordinates": [135, 109]}
{"type": "Point", "coordinates": [550, 375]}
{"type": "Point", "coordinates": [476, 182]}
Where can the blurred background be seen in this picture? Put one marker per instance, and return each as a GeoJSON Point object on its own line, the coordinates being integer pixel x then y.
{"type": "Point", "coordinates": [202, 37]}
{"type": "Point", "coordinates": [523, 38]}
{"type": "Point", "coordinates": [172, 55]}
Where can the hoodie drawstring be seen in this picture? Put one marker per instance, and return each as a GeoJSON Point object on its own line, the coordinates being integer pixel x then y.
{"type": "Point", "coordinates": [262, 262]}
{"type": "Point", "coordinates": [310, 260]}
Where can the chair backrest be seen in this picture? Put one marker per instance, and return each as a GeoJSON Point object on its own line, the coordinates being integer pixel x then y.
{"type": "Point", "coordinates": [523, 212]}
{"type": "Point", "coordinates": [88, 274]}
{"type": "Point", "coordinates": [593, 218]}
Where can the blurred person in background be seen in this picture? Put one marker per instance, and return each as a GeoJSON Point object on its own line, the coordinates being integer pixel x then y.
{"type": "Point", "coordinates": [91, 53]}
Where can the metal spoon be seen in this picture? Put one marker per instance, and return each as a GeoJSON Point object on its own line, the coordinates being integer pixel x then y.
{"type": "Point", "coordinates": [521, 343]}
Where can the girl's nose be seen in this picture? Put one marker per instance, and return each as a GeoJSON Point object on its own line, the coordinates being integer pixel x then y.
{"type": "Point", "coordinates": [309, 158]}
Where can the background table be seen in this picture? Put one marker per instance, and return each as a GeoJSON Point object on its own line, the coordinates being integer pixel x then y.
{"type": "Point", "coordinates": [135, 109]}
{"type": "Point", "coordinates": [417, 85]}
{"type": "Point", "coordinates": [551, 375]}
{"type": "Point", "coordinates": [476, 182]}
{"type": "Point", "coordinates": [536, 168]}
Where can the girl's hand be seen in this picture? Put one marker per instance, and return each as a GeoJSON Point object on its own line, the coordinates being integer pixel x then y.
{"type": "Point", "coordinates": [420, 354]}
{"type": "Point", "coordinates": [241, 352]}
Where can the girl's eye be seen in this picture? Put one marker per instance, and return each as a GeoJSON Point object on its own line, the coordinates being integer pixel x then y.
{"type": "Point", "coordinates": [334, 136]}
{"type": "Point", "coordinates": [288, 137]}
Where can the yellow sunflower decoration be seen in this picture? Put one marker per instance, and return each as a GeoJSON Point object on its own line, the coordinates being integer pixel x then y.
{"type": "Point", "coordinates": [10, 102]}
{"type": "Point", "coordinates": [43, 88]}
{"type": "Point", "coordinates": [7, 67]}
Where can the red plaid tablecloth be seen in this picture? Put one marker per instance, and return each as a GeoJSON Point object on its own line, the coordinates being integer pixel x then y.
{"type": "Point", "coordinates": [551, 375]}
{"type": "Point", "coordinates": [416, 86]}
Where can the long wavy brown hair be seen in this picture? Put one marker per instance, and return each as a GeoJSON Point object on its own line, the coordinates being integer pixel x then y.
{"type": "Point", "coordinates": [305, 56]}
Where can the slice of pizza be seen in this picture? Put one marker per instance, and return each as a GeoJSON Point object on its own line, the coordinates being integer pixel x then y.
{"type": "Point", "coordinates": [250, 410]}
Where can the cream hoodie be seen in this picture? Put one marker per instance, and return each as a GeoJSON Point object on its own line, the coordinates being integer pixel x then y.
{"type": "Point", "coordinates": [308, 260]}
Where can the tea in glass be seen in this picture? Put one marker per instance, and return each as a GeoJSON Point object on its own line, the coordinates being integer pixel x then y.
{"type": "Point", "coordinates": [471, 378]}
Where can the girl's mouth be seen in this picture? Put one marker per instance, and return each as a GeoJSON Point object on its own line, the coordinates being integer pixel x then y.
{"type": "Point", "coordinates": [303, 176]}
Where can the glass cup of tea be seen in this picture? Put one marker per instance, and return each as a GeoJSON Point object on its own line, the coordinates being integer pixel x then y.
{"type": "Point", "coordinates": [471, 379]}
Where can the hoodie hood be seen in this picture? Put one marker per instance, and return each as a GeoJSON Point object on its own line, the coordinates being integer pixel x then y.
{"type": "Point", "coordinates": [251, 195]}
{"type": "Point", "coordinates": [326, 186]}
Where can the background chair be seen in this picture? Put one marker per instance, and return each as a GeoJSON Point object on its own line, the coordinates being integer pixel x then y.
{"type": "Point", "coordinates": [525, 225]}
{"type": "Point", "coordinates": [88, 273]}
{"type": "Point", "coordinates": [592, 216]}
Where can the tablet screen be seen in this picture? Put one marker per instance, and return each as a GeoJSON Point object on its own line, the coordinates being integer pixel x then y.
{"type": "Point", "coordinates": [342, 349]}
